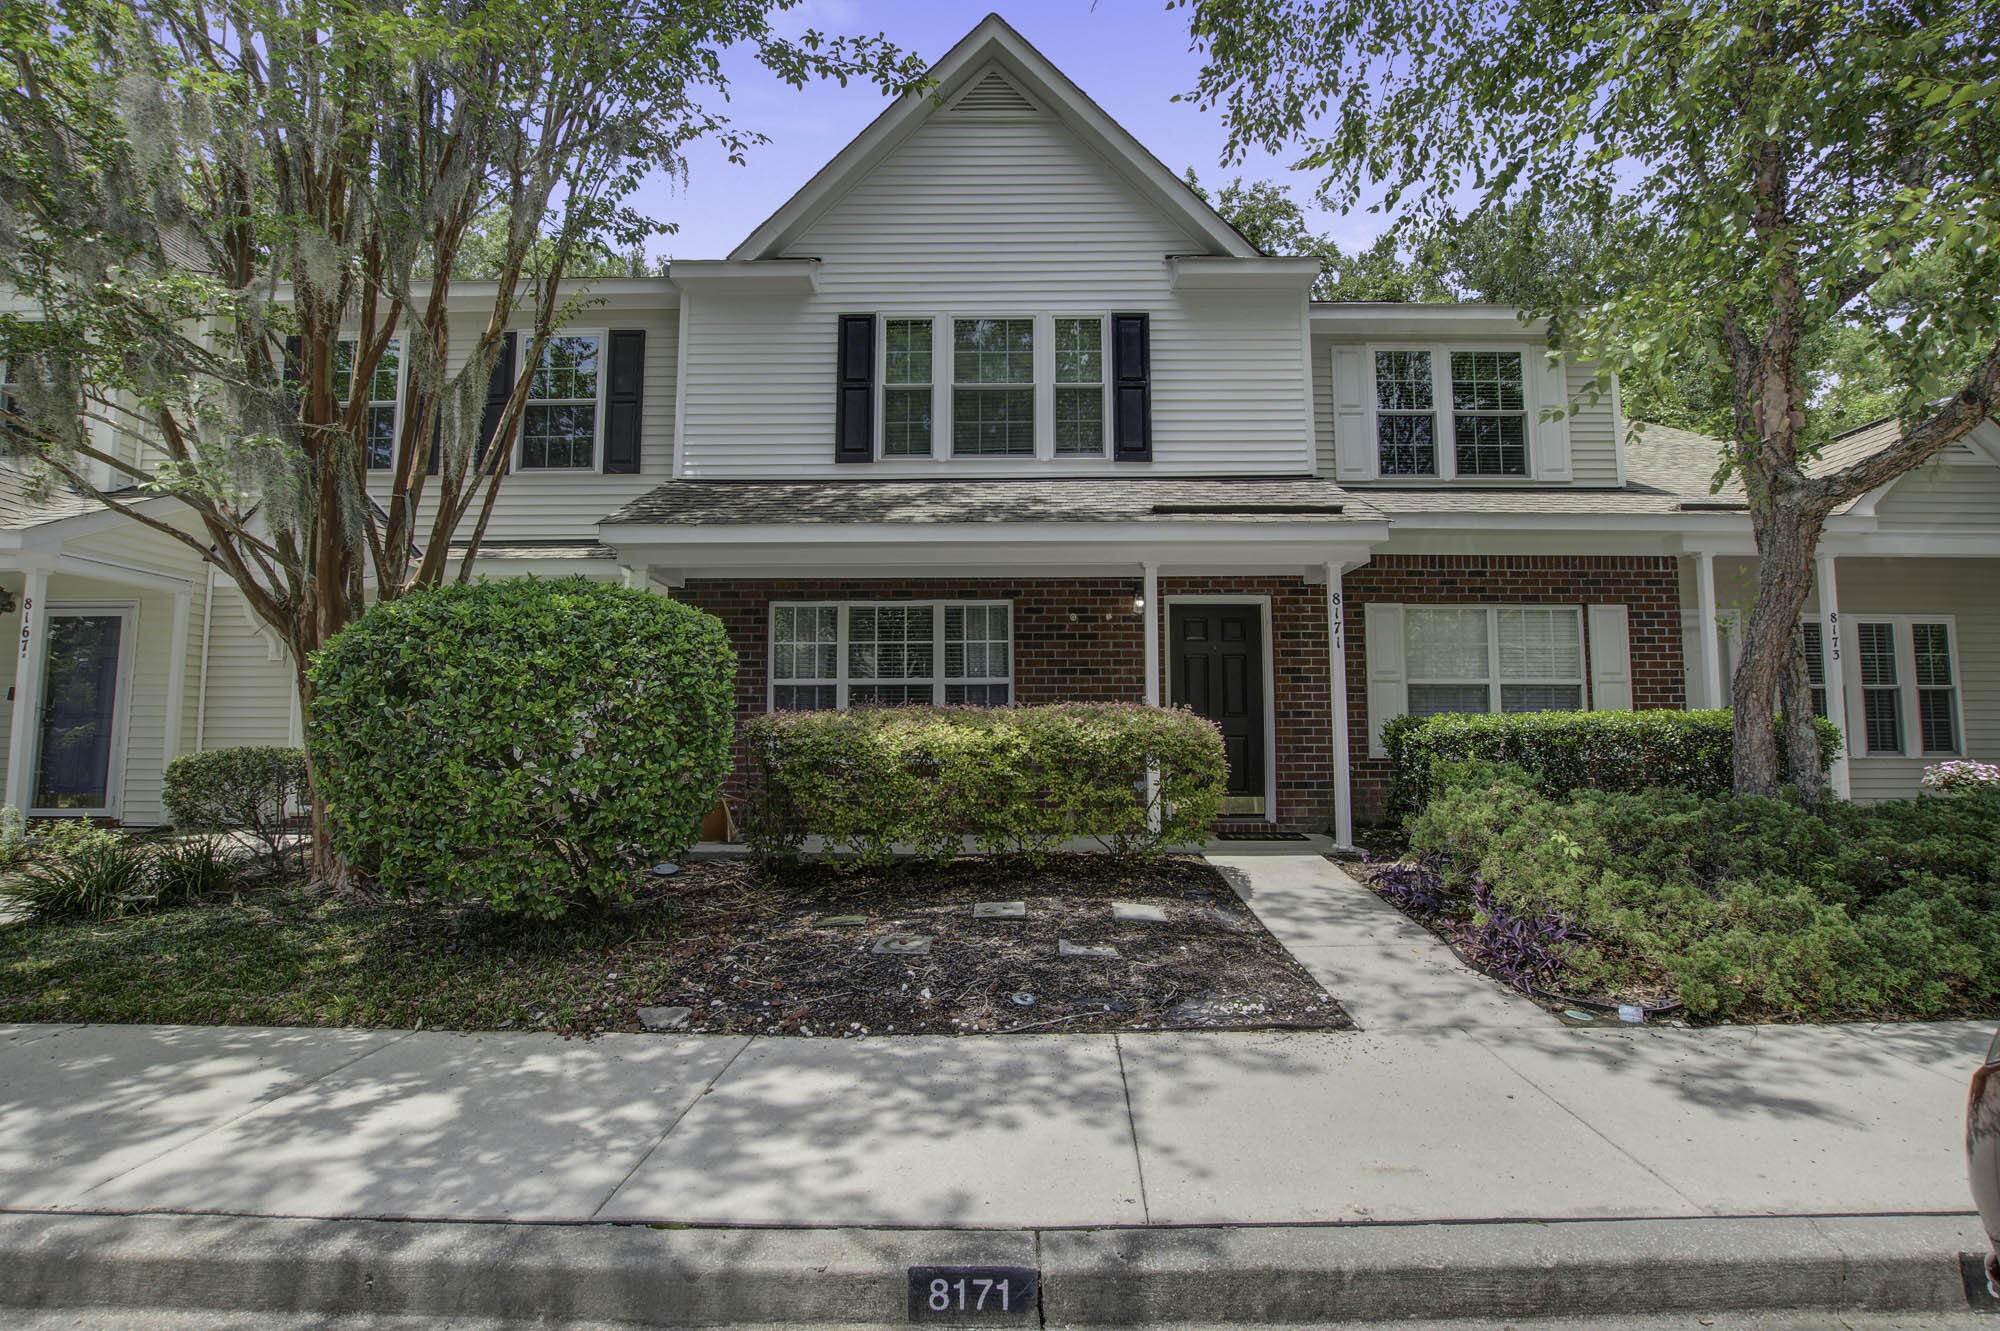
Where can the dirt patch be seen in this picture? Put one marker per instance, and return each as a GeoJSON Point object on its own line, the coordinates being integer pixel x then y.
{"type": "Point", "coordinates": [795, 952]}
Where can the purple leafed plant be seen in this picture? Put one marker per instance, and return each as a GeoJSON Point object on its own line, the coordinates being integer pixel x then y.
{"type": "Point", "coordinates": [1527, 952]}
{"type": "Point", "coordinates": [1415, 886]}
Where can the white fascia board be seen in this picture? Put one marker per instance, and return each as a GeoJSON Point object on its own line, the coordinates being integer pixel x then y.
{"type": "Point", "coordinates": [1398, 320]}
{"type": "Point", "coordinates": [992, 535]}
{"type": "Point", "coordinates": [614, 292]}
{"type": "Point", "coordinates": [748, 277]}
{"type": "Point", "coordinates": [993, 40]}
{"type": "Point", "coordinates": [1209, 272]}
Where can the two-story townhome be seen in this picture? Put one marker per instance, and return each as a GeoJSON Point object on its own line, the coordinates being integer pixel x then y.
{"type": "Point", "coordinates": [995, 410]}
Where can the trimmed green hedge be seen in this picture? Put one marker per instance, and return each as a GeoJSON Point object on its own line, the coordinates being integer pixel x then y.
{"type": "Point", "coordinates": [522, 743]}
{"type": "Point", "coordinates": [253, 789]}
{"type": "Point", "coordinates": [1742, 907]}
{"type": "Point", "coordinates": [1569, 751]}
{"type": "Point", "coordinates": [1018, 780]}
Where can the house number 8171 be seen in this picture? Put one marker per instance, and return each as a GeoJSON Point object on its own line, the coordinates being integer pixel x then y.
{"type": "Point", "coordinates": [956, 1294]}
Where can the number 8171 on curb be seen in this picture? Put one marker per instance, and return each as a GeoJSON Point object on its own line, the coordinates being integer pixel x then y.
{"type": "Point", "coordinates": [955, 1295]}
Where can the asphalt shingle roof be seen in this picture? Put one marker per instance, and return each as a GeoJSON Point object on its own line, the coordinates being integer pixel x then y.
{"type": "Point", "coordinates": [1109, 499]}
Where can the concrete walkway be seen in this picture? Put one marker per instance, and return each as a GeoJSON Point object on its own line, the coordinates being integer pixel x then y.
{"type": "Point", "coordinates": [1493, 1121]}
{"type": "Point", "coordinates": [1388, 971]}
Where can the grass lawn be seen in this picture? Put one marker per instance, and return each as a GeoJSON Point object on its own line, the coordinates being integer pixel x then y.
{"type": "Point", "coordinates": [744, 950]}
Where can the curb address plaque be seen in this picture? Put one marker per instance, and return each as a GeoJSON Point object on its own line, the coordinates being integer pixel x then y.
{"type": "Point", "coordinates": [955, 1295]}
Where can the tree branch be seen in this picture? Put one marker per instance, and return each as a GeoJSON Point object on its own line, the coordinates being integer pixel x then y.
{"type": "Point", "coordinates": [1940, 430]}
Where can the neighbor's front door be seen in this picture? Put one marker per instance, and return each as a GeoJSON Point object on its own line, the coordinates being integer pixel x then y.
{"type": "Point", "coordinates": [1216, 665]}
{"type": "Point", "coordinates": [80, 710]}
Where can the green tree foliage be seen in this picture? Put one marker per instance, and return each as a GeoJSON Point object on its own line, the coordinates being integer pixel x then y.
{"type": "Point", "coordinates": [219, 218]}
{"type": "Point", "coordinates": [522, 743]}
{"type": "Point", "coordinates": [1794, 169]}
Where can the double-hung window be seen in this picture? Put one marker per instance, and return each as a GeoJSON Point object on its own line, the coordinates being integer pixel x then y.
{"type": "Point", "coordinates": [907, 371]}
{"type": "Point", "coordinates": [885, 653]}
{"type": "Point", "coordinates": [1487, 422]}
{"type": "Point", "coordinates": [1907, 673]}
{"type": "Point", "coordinates": [1493, 659]}
{"type": "Point", "coordinates": [993, 387]}
{"type": "Point", "coordinates": [559, 424]}
{"type": "Point", "coordinates": [1079, 394]}
{"type": "Point", "coordinates": [385, 389]}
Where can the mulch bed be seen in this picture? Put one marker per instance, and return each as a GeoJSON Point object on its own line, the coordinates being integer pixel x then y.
{"type": "Point", "coordinates": [769, 953]}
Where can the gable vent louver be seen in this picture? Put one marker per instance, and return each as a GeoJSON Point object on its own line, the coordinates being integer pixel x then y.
{"type": "Point", "coordinates": [994, 95]}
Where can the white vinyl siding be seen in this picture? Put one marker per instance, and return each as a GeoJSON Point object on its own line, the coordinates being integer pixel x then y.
{"type": "Point", "coordinates": [1963, 493]}
{"type": "Point", "coordinates": [837, 654]}
{"type": "Point", "coordinates": [921, 237]}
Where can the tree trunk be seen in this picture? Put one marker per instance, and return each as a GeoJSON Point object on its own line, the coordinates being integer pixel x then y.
{"type": "Point", "coordinates": [1801, 733]}
{"type": "Point", "coordinates": [325, 869]}
{"type": "Point", "coordinates": [1787, 537]}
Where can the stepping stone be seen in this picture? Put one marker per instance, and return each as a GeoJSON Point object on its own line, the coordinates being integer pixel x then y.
{"type": "Point", "coordinates": [664, 869]}
{"type": "Point", "coordinates": [840, 921]}
{"type": "Point", "coordinates": [665, 1018]}
{"type": "Point", "coordinates": [1000, 910]}
{"type": "Point", "coordinates": [1225, 1008]}
{"type": "Point", "coordinates": [1065, 948]}
{"type": "Point", "coordinates": [902, 945]}
{"type": "Point", "coordinates": [1137, 912]}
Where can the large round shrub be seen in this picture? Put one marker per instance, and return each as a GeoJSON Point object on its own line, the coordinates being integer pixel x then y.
{"type": "Point", "coordinates": [523, 743]}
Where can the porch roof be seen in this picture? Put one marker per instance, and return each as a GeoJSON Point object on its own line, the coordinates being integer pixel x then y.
{"type": "Point", "coordinates": [1117, 499]}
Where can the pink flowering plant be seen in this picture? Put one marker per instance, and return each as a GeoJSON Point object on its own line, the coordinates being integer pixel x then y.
{"type": "Point", "coordinates": [1961, 774]}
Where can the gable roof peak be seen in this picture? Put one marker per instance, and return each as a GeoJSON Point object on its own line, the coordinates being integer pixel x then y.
{"type": "Point", "coordinates": [1028, 83]}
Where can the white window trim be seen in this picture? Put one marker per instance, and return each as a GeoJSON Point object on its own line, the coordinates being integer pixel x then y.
{"type": "Point", "coordinates": [842, 641]}
{"type": "Point", "coordinates": [1906, 685]}
{"type": "Point", "coordinates": [121, 706]}
{"type": "Point", "coordinates": [1441, 412]}
{"type": "Point", "coordinates": [603, 336]}
{"type": "Point", "coordinates": [1493, 681]}
{"type": "Point", "coordinates": [402, 380]}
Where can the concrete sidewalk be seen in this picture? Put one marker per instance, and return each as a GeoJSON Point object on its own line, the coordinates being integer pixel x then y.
{"type": "Point", "coordinates": [1025, 1131]}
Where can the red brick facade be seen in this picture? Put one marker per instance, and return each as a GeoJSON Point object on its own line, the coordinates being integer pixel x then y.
{"type": "Point", "coordinates": [1647, 585]}
{"type": "Point", "coordinates": [1081, 639]}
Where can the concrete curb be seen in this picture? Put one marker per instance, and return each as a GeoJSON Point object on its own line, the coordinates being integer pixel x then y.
{"type": "Point", "coordinates": [623, 1274]}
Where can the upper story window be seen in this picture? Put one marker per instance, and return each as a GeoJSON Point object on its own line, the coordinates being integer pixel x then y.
{"type": "Point", "coordinates": [1488, 413]}
{"type": "Point", "coordinates": [939, 387]}
{"type": "Point", "coordinates": [993, 387]}
{"type": "Point", "coordinates": [385, 391]}
{"type": "Point", "coordinates": [560, 422]}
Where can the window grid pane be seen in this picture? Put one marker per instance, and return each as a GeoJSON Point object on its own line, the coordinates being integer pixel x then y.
{"type": "Point", "coordinates": [993, 351]}
{"type": "Point", "coordinates": [889, 642]}
{"type": "Point", "coordinates": [1878, 655]}
{"type": "Point", "coordinates": [1403, 381]}
{"type": "Point", "coordinates": [990, 422]}
{"type": "Point", "coordinates": [1405, 421]}
{"type": "Point", "coordinates": [909, 352]}
{"type": "Point", "coordinates": [976, 643]}
{"type": "Point", "coordinates": [1486, 381]}
{"type": "Point", "coordinates": [1443, 645]}
{"type": "Point", "coordinates": [906, 422]}
{"type": "Point", "coordinates": [1079, 422]}
{"type": "Point", "coordinates": [1882, 709]}
{"type": "Point", "coordinates": [1490, 445]}
{"type": "Point", "coordinates": [1079, 351]}
{"type": "Point", "coordinates": [1933, 649]}
{"type": "Point", "coordinates": [1436, 699]}
{"type": "Point", "coordinates": [568, 371]}
{"type": "Point", "coordinates": [1540, 645]}
{"type": "Point", "coordinates": [1541, 698]}
{"type": "Point", "coordinates": [1406, 445]}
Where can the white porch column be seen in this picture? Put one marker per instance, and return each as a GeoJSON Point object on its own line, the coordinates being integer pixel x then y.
{"type": "Point", "coordinates": [28, 670]}
{"type": "Point", "coordinates": [1336, 657]}
{"type": "Point", "coordinates": [1711, 644]}
{"type": "Point", "coordinates": [1833, 667]}
{"type": "Point", "coordinates": [177, 677]}
{"type": "Point", "coordinates": [1151, 596]}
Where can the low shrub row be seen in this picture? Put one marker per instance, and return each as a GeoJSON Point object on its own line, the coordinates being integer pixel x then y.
{"type": "Point", "coordinates": [1017, 780]}
{"type": "Point", "coordinates": [1569, 751]}
{"type": "Point", "coordinates": [76, 870]}
{"type": "Point", "coordinates": [258, 790]}
{"type": "Point", "coordinates": [1744, 907]}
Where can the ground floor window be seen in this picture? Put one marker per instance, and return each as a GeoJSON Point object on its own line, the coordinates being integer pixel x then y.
{"type": "Point", "coordinates": [829, 654]}
{"type": "Point", "coordinates": [1909, 686]}
{"type": "Point", "coordinates": [1493, 659]}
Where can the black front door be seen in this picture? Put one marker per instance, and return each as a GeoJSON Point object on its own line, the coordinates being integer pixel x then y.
{"type": "Point", "coordinates": [1217, 668]}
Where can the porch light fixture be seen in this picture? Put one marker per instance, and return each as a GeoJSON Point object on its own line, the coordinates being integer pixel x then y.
{"type": "Point", "coordinates": [1138, 605]}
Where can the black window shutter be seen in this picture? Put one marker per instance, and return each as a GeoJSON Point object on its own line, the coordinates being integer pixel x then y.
{"type": "Point", "coordinates": [1131, 388]}
{"type": "Point", "coordinates": [498, 389]}
{"type": "Point", "coordinates": [622, 404]}
{"type": "Point", "coordinates": [854, 415]}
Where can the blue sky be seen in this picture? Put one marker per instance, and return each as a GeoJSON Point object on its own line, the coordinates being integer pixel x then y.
{"type": "Point", "coordinates": [1130, 56]}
